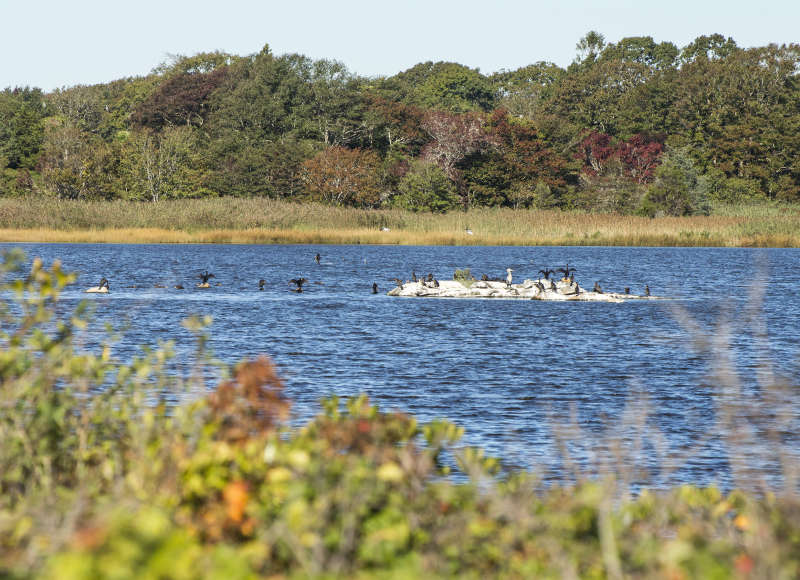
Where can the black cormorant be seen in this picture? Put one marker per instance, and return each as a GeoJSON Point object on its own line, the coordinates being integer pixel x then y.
{"type": "Point", "coordinates": [299, 283]}
{"type": "Point", "coordinates": [204, 277]}
{"type": "Point", "coordinates": [317, 258]}
{"type": "Point", "coordinates": [546, 273]}
{"type": "Point", "coordinates": [646, 290]}
{"type": "Point", "coordinates": [261, 284]}
{"type": "Point", "coordinates": [566, 270]}
{"type": "Point", "coordinates": [597, 288]}
{"type": "Point", "coordinates": [374, 287]}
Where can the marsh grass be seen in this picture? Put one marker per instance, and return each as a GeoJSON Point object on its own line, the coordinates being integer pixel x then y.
{"type": "Point", "coordinates": [265, 221]}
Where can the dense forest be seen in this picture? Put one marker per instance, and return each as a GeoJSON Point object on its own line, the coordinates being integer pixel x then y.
{"type": "Point", "coordinates": [630, 127]}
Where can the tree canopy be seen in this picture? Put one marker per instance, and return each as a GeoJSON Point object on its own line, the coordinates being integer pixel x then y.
{"type": "Point", "coordinates": [592, 135]}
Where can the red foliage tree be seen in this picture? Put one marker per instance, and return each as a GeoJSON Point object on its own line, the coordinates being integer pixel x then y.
{"type": "Point", "coordinates": [342, 176]}
{"type": "Point", "coordinates": [179, 100]}
{"type": "Point", "coordinates": [526, 155]}
{"type": "Point", "coordinates": [639, 155]}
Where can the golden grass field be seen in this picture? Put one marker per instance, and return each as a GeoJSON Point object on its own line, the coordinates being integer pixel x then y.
{"type": "Point", "coordinates": [264, 221]}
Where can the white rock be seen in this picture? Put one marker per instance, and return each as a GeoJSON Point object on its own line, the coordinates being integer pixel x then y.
{"type": "Point", "coordinates": [527, 290]}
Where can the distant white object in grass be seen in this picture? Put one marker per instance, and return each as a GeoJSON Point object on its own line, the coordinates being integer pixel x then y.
{"type": "Point", "coordinates": [385, 229]}
{"type": "Point", "coordinates": [468, 231]}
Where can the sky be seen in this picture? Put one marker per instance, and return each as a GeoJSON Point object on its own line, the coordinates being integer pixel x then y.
{"type": "Point", "coordinates": [60, 43]}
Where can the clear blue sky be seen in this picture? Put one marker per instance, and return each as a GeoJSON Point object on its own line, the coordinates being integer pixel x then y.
{"type": "Point", "coordinates": [55, 43]}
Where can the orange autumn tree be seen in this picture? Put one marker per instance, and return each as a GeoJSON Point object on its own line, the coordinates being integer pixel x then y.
{"type": "Point", "coordinates": [342, 176]}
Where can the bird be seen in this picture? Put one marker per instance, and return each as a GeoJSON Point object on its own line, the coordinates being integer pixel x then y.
{"type": "Point", "coordinates": [508, 277]}
{"type": "Point", "coordinates": [597, 288]}
{"type": "Point", "coordinates": [399, 282]}
{"type": "Point", "coordinates": [566, 270]}
{"type": "Point", "coordinates": [546, 273]}
{"type": "Point", "coordinates": [205, 277]}
{"type": "Point", "coordinates": [374, 287]}
{"type": "Point", "coordinates": [385, 229]}
{"type": "Point", "coordinates": [627, 290]}
{"type": "Point", "coordinates": [646, 290]}
{"type": "Point", "coordinates": [299, 283]}
{"type": "Point", "coordinates": [101, 288]}
{"type": "Point", "coordinates": [435, 283]}
{"type": "Point", "coordinates": [317, 258]}
{"type": "Point", "coordinates": [261, 284]}
{"type": "Point", "coordinates": [553, 285]}
{"type": "Point", "coordinates": [413, 276]}
{"type": "Point", "coordinates": [178, 286]}
{"type": "Point", "coordinates": [468, 231]}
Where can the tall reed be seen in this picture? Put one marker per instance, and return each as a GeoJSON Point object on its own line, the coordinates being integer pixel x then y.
{"type": "Point", "coordinates": [258, 220]}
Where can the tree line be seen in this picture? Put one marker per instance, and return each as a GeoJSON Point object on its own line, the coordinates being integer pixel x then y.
{"type": "Point", "coordinates": [631, 127]}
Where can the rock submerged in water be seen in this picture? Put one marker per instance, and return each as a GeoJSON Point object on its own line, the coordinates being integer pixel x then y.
{"type": "Point", "coordinates": [529, 290]}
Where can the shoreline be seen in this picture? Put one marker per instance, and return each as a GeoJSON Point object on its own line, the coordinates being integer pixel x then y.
{"type": "Point", "coordinates": [370, 236]}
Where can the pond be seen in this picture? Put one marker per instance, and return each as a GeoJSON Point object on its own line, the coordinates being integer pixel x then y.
{"type": "Point", "coordinates": [509, 371]}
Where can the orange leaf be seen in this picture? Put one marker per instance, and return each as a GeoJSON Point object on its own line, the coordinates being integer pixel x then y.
{"type": "Point", "coordinates": [235, 496]}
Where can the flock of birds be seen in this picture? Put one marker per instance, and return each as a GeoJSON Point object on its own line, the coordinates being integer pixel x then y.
{"type": "Point", "coordinates": [430, 281]}
{"type": "Point", "coordinates": [103, 286]}
{"type": "Point", "coordinates": [567, 271]}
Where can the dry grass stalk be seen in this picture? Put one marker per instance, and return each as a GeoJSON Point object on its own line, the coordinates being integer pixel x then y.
{"type": "Point", "coordinates": [257, 220]}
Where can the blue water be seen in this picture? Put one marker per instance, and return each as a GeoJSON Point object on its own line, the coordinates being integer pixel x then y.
{"type": "Point", "coordinates": [509, 371]}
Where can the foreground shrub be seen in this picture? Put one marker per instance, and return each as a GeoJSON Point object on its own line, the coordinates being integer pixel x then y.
{"type": "Point", "coordinates": [101, 479]}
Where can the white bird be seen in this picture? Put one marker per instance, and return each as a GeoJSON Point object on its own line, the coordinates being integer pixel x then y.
{"type": "Point", "coordinates": [508, 278]}
{"type": "Point", "coordinates": [385, 229]}
{"type": "Point", "coordinates": [101, 288]}
{"type": "Point", "coordinates": [468, 231]}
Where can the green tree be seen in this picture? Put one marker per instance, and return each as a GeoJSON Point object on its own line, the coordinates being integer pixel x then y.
{"type": "Point", "coordinates": [159, 165]}
{"type": "Point", "coordinates": [711, 47]}
{"type": "Point", "coordinates": [22, 113]}
{"type": "Point", "coordinates": [524, 91]}
{"type": "Point", "coordinates": [589, 48]}
{"type": "Point", "coordinates": [644, 50]}
{"type": "Point", "coordinates": [676, 190]}
{"type": "Point", "coordinates": [426, 188]}
{"type": "Point", "coordinates": [445, 86]}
